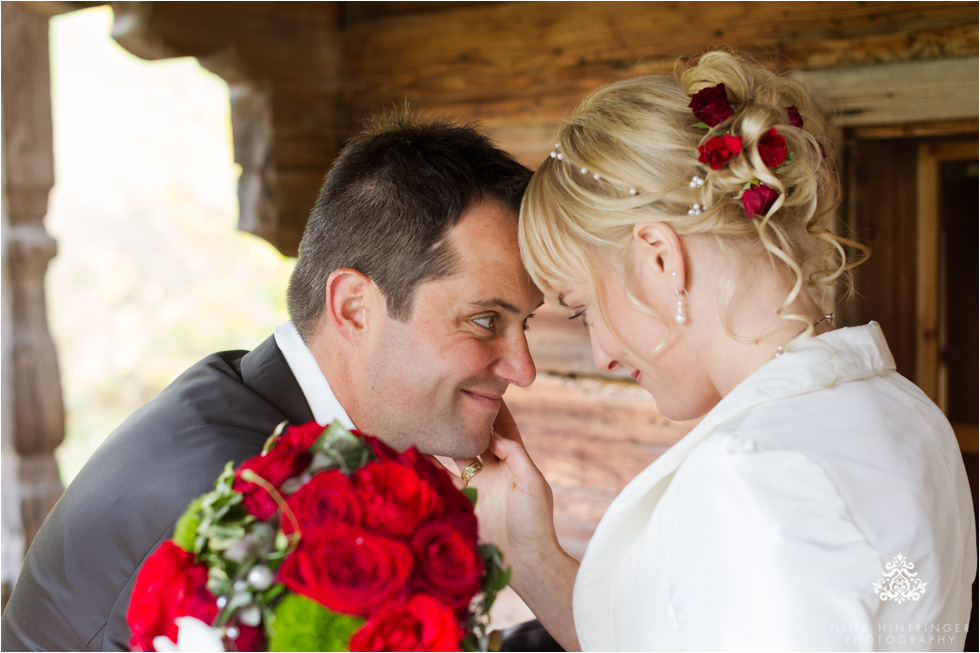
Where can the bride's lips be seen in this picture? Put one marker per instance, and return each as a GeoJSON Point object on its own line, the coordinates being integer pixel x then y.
{"type": "Point", "coordinates": [638, 375]}
{"type": "Point", "coordinates": [486, 399]}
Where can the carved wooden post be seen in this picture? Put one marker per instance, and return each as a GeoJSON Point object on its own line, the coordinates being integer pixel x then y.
{"type": "Point", "coordinates": [33, 412]}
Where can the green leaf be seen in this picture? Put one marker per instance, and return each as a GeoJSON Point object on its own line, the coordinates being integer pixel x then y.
{"type": "Point", "coordinates": [185, 531]}
{"type": "Point", "coordinates": [301, 624]}
{"type": "Point", "coordinates": [338, 448]}
{"type": "Point", "coordinates": [470, 493]}
{"type": "Point", "coordinates": [271, 441]}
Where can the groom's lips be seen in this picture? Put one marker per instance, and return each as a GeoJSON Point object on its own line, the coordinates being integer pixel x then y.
{"type": "Point", "coordinates": [486, 399]}
{"type": "Point", "coordinates": [638, 375]}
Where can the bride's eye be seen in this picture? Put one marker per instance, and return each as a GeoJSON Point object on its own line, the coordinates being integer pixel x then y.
{"type": "Point", "coordinates": [487, 321]}
{"type": "Point", "coordinates": [578, 314]}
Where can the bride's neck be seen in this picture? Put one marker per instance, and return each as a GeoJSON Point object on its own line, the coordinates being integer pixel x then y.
{"type": "Point", "coordinates": [755, 332]}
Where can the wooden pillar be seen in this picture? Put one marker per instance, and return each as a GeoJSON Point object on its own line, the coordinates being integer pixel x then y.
{"type": "Point", "coordinates": [33, 413]}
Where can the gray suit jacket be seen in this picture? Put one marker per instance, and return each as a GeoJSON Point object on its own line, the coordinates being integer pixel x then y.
{"type": "Point", "coordinates": [74, 588]}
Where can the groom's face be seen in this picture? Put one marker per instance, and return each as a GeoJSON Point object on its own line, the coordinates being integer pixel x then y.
{"type": "Point", "coordinates": [436, 379]}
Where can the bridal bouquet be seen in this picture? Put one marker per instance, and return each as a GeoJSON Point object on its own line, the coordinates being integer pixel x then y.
{"type": "Point", "coordinates": [326, 541]}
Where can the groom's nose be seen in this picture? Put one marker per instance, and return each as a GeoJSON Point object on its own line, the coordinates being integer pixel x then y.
{"type": "Point", "coordinates": [513, 362]}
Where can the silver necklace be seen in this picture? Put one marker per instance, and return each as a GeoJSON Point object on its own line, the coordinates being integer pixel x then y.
{"type": "Point", "coordinates": [780, 351]}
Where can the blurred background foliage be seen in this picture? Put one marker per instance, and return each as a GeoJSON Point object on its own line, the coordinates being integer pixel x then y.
{"type": "Point", "coordinates": [151, 273]}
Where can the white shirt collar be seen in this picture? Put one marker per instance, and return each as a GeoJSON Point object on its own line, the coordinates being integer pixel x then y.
{"type": "Point", "coordinates": [323, 402]}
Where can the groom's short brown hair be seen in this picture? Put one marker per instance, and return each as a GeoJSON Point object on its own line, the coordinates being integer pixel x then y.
{"type": "Point", "coordinates": [388, 203]}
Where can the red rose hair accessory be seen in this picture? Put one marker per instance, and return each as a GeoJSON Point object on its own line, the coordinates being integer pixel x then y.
{"type": "Point", "coordinates": [795, 119]}
{"type": "Point", "coordinates": [772, 148]}
{"type": "Point", "coordinates": [717, 150]}
{"type": "Point", "coordinates": [711, 105]}
{"type": "Point", "coordinates": [758, 198]}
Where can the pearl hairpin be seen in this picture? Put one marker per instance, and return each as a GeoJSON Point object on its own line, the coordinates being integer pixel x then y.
{"type": "Point", "coordinates": [696, 181]}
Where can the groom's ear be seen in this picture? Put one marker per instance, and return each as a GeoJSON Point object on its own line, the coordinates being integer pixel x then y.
{"type": "Point", "coordinates": [350, 301]}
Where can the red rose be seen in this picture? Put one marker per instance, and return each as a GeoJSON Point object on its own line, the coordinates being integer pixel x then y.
{"type": "Point", "coordinates": [289, 457]}
{"type": "Point", "coordinates": [420, 624]}
{"type": "Point", "coordinates": [718, 150]}
{"type": "Point", "coordinates": [711, 105]}
{"type": "Point", "coordinates": [395, 497]}
{"type": "Point", "coordinates": [382, 451]}
{"type": "Point", "coordinates": [794, 116]}
{"type": "Point", "coordinates": [448, 564]}
{"type": "Point", "coordinates": [250, 638]}
{"type": "Point", "coordinates": [169, 585]}
{"type": "Point", "coordinates": [772, 148]}
{"type": "Point", "coordinates": [326, 498]}
{"type": "Point", "coordinates": [758, 199]}
{"type": "Point", "coordinates": [453, 503]}
{"type": "Point", "coordinates": [348, 569]}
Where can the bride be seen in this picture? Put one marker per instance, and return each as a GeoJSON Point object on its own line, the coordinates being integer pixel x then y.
{"type": "Point", "coordinates": [821, 502]}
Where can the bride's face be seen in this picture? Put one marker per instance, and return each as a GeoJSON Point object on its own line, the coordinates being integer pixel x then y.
{"type": "Point", "coordinates": [656, 352]}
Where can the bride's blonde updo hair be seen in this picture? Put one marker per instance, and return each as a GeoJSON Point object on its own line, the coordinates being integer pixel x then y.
{"type": "Point", "coordinates": [629, 154]}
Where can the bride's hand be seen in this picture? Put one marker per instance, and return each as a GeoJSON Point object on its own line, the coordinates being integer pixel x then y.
{"type": "Point", "coordinates": [514, 504]}
{"type": "Point", "coordinates": [516, 512]}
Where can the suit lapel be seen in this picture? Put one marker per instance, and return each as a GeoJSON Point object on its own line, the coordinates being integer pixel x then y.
{"type": "Point", "coordinates": [266, 372]}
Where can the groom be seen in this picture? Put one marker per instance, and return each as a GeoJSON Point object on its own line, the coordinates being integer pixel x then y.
{"type": "Point", "coordinates": [408, 306]}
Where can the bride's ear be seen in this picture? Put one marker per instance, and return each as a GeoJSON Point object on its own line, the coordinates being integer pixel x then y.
{"type": "Point", "coordinates": [659, 249]}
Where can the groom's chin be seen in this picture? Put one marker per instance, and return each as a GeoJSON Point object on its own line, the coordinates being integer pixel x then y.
{"type": "Point", "coordinates": [464, 441]}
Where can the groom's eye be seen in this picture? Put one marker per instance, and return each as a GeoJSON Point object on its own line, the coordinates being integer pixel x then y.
{"type": "Point", "coordinates": [487, 321]}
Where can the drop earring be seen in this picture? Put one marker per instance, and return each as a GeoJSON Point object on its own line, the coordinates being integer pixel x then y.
{"type": "Point", "coordinates": [681, 316]}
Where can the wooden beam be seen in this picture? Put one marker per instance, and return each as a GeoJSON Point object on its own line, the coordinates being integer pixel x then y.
{"type": "Point", "coordinates": [900, 93]}
{"type": "Point", "coordinates": [281, 61]}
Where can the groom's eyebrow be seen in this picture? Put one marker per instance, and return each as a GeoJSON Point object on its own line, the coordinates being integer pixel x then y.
{"type": "Point", "coordinates": [496, 302]}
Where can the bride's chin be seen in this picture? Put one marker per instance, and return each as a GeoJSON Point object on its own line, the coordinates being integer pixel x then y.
{"type": "Point", "coordinates": [681, 408]}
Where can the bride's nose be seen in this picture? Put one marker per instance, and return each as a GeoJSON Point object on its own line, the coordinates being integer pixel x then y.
{"type": "Point", "coordinates": [603, 361]}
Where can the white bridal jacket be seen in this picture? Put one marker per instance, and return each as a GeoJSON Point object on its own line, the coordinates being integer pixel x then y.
{"type": "Point", "coordinates": [821, 505]}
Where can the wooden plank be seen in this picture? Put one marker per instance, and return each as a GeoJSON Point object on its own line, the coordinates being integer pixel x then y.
{"type": "Point", "coordinates": [883, 214]}
{"type": "Point", "coordinates": [919, 130]}
{"type": "Point", "coordinates": [927, 273]}
{"type": "Point", "coordinates": [912, 92]}
{"type": "Point", "coordinates": [968, 436]}
{"type": "Point", "coordinates": [476, 54]}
